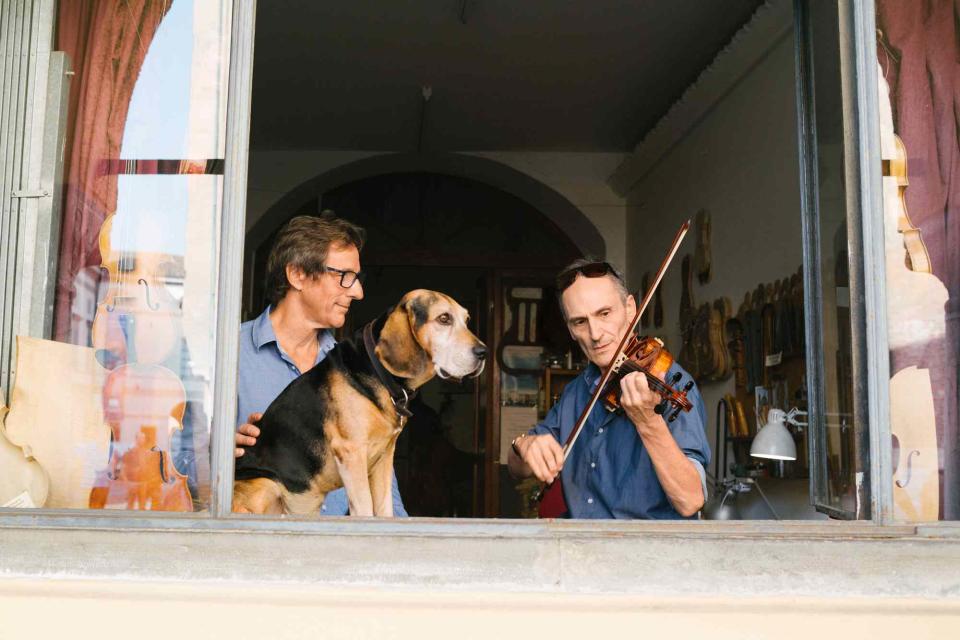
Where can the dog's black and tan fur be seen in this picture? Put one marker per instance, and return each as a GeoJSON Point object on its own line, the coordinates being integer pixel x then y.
{"type": "Point", "coordinates": [336, 425]}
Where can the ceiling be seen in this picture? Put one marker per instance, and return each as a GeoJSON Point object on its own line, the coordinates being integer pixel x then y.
{"type": "Point", "coordinates": [551, 75]}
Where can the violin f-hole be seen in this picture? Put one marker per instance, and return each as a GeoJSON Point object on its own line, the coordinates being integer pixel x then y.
{"type": "Point", "coordinates": [903, 485]}
{"type": "Point", "coordinates": [153, 305]}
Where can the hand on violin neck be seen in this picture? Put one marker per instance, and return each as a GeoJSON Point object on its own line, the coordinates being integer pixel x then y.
{"type": "Point", "coordinates": [639, 402]}
{"type": "Point", "coordinates": [543, 455]}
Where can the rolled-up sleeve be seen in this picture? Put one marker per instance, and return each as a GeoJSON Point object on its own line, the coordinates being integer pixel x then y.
{"type": "Point", "coordinates": [689, 430]}
{"type": "Point", "coordinates": [550, 424]}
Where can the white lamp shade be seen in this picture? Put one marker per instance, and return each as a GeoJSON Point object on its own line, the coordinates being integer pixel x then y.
{"type": "Point", "coordinates": [774, 440]}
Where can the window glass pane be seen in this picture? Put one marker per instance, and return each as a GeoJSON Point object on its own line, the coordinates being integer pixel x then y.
{"type": "Point", "coordinates": [915, 51]}
{"type": "Point", "coordinates": [835, 427]}
{"type": "Point", "coordinates": [116, 409]}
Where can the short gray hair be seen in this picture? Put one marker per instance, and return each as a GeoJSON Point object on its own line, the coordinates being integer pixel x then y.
{"type": "Point", "coordinates": [564, 280]}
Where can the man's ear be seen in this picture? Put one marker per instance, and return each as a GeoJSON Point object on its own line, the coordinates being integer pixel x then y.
{"type": "Point", "coordinates": [631, 304]}
{"type": "Point", "coordinates": [295, 276]}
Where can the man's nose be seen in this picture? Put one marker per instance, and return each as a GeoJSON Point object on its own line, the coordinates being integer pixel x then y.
{"type": "Point", "coordinates": [595, 330]}
{"type": "Point", "coordinates": [356, 290]}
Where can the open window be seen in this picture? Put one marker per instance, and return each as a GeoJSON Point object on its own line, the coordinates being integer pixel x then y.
{"type": "Point", "coordinates": [482, 148]}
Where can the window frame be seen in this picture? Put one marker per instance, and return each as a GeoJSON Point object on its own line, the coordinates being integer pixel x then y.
{"type": "Point", "coordinates": [870, 341]}
{"type": "Point", "coordinates": [32, 162]}
{"type": "Point", "coordinates": [230, 275]}
{"type": "Point", "coordinates": [863, 187]}
{"type": "Point", "coordinates": [874, 374]}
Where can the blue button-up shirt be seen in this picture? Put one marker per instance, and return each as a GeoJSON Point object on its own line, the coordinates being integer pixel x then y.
{"type": "Point", "coordinates": [609, 473]}
{"type": "Point", "coordinates": [265, 371]}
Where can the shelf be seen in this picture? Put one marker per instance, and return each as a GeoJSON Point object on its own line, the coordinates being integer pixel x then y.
{"type": "Point", "coordinates": [562, 372]}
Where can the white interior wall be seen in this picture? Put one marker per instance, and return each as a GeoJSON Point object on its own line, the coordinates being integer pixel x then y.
{"type": "Point", "coordinates": [740, 162]}
{"type": "Point", "coordinates": [274, 173]}
{"type": "Point", "coordinates": [579, 177]}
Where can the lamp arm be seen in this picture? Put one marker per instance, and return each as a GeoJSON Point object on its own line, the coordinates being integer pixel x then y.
{"type": "Point", "coordinates": [721, 410]}
{"type": "Point", "coordinates": [764, 496]}
{"type": "Point", "coordinates": [792, 417]}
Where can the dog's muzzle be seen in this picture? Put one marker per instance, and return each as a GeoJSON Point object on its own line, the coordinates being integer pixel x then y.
{"type": "Point", "coordinates": [480, 353]}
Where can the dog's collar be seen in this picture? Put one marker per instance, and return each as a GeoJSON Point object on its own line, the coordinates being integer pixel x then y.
{"type": "Point", "coordinates": [400, 396]}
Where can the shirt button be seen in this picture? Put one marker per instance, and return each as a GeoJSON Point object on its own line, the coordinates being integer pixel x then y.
{"type": "Point", "coordinates": [593, 465]}
{"type": "Point", "coordinates": [600, 430]}
{"type": "Point", "coordinates": [589, 500]}
{"type": "Point", "coordinates": [323, 508]}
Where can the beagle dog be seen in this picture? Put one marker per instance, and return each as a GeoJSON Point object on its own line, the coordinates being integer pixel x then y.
{"type": "Point", "coordinates": [337, 424]}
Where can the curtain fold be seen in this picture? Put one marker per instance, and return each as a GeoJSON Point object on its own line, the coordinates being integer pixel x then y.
{"type": "Point", "coordinates": [107, 42]}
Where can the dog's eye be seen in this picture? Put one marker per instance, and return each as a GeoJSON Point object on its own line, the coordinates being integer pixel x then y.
{"type": "Point", "coordinates": [445, 318]}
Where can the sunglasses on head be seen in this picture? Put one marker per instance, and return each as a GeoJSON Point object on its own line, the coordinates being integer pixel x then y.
{"type": "Point", "coordinates": [589, 270]}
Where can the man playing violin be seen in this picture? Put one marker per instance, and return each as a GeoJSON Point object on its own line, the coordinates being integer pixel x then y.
{"type": "Point", "coordinates": [629, 464]}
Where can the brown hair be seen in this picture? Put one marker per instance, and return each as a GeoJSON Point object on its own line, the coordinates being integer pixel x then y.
{"type": "Point", "coordinates": [304, 243]}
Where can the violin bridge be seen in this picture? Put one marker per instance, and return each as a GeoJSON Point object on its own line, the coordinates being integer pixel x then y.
{"type": "Point", "coordinates": [619, 362]}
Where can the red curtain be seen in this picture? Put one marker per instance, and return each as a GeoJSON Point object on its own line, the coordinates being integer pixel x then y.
{"type": "Point", "coordinates": [919, 51]}
{"type": "Point", "coordinates": [107, 42]}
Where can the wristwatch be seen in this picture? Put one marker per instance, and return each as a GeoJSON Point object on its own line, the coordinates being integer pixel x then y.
{"type": "Point", "coordinates": [514, 442]}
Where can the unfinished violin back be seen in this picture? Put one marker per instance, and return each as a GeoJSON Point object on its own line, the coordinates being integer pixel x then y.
{"type": "Point", "coordinates": [23, 482]}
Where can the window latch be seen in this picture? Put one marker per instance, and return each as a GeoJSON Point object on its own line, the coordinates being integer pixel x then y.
{"type": "Point", "coordinates": [31, 193]}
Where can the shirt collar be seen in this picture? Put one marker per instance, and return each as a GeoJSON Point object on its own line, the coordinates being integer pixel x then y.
{"type": "Point", "coordinates": [263, 334]}
{"type": "Point", "coordinates": [591, 375]}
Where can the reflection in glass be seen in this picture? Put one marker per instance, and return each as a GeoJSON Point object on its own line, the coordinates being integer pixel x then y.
{"type": "Point", "coordinates": [135, 304]}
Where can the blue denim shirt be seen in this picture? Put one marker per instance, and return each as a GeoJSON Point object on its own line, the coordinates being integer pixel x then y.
{"type": "Point", "coordinates": [609, 473]}
{"type": "Point", "coordinates": [265, 371]}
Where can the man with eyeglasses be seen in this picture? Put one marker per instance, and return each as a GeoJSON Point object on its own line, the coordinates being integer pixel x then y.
{"type": "Point", "coordinates": [629, 464]}
{"type": "Point", "coordinates": [313, 275]}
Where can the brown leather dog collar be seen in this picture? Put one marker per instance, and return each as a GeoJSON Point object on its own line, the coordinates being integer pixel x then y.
{"type": "Point", "coordinates": [399, 394]}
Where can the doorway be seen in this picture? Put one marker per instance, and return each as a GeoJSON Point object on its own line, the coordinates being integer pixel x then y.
{"type": "Point", "coordinates": [476, 243]}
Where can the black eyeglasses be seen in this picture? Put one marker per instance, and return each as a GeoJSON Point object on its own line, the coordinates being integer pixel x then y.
{"type": "Point", "coordinates": [347, 277]}
{"type": "Point", "coordinates": [590, 270]}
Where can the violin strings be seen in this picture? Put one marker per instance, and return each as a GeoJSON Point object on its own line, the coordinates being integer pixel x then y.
{"type": "Point", "coordinates": [656, 383]}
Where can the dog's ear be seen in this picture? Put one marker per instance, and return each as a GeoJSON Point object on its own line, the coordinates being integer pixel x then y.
{"type": "Point", "coordinates": [399, 347]}
{"type": "Point", "coordinates": [418, 312]}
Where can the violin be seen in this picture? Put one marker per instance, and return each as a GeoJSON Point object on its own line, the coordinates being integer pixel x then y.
{"type": "Point", "coordinates": [921, 297]}
{"type": "Point", "coordinates": [137, 314]}
{"type": "Point", "coordinates": [917, 257]}
{"type": "Point", "coordinates": [136, 329]}
{"type": "Point", "coordinates": [142, 404]}
{"type": "Point", "coordinates": [647, 356]}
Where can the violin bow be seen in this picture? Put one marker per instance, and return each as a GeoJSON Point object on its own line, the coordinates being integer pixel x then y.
{"type": "Point", "coordinates": [572, 438]}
